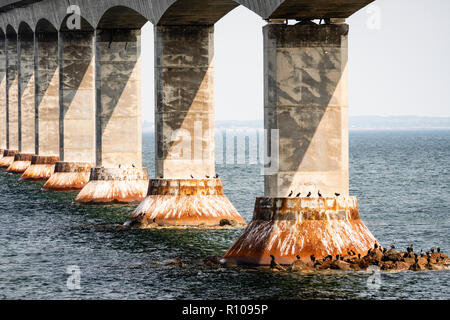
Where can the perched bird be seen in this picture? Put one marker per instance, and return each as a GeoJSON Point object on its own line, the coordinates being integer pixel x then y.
{"type": "Point", "coordinates": [432, 250]}
{"type": "Point", "coordinates": [290, 194]}
{"type": "Point", "coordinates": [337, 257]}
{"type": "Point", "coordinates": [192, 176]}
{"type": "Point", "coordinates": [120, 165]}
{"type": "Point", "coordinates": [217, 175]}
{"type": "Point", "coordinates": [337, 194]}
{"type": "Point", "coordinates": [274, 264]}
{"type": "Point", "coordinates": [359, 255]}
{"type": "Point", "coordinates": [207, 177]}
{"type": "Point", "coordinates": [375, 246]}
{"type": "Point", "coordinates": [439, 250]}
{"type": "Point", "coordinates": [319, 194]}
{"type": "Point", "coordinates": [133, 165]}
{"type": "Point", "coordinates": [312, 257]}
{"type": "Point", "coordinates": [298, 195]}
{"type": "Point", "coordinates": [298, 257]}
{"type": "Point", "coordinates": [308, 195]}
{"type": "Point", "coordinates": [392, 246]}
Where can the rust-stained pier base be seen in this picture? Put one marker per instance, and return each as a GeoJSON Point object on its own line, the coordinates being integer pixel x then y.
{"type": "Point", "coordinates": [69, 176]}
{"type": "Point", "coordinates": [287, 227]}
{"type": "Point", "coordinates": [8, 158]}
{"type": "Point", "coordinates": [185, 203]}
{"type": "Point", "coordinates": [114, 185]}
{"type": "Point", "coordinates": [306, 115]}
{"type": "Point", "coordinates": [41, 168]}
{"type": "Point", "coordinates": [22, 161]}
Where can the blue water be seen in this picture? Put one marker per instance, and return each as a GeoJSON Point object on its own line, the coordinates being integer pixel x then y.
{"type": "Point", "coordinates": [401, 179]}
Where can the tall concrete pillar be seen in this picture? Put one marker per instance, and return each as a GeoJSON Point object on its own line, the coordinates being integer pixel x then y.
{"type": "Point", "coordinates": [12, 110]}
{"type": "Point", "coordinates": [77, 111]}
{"type": "Point", "coordinates": [46, 77]}
{"type": "Point", "coordinates": [187, 193]}
{"type": "Point", "coordinates": [306, 209]}
{"type": "Point", "coordinates": [26, 107]}
{"type": "Point", "coordinates": [3, 144]}
{"type": "Point", "coordinates": [118, 176]}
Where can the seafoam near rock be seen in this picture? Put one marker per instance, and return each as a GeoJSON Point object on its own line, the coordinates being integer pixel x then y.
{"type": "Point", "coordinates": [185, 202]}
{"type": "Point", "coordinates": [41, 168]}
{"type": "Point", "coordinates": [287, 227]}
{"type": "Point", "coordinates": [115, 185]}
{"type": "Point", "coordinates": [21, 163]}
{"type": "Point", "coordinates": [69, 176]}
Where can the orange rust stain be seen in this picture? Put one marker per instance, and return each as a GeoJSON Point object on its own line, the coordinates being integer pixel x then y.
{"type": "Point", "coordinates": [286, 228]}
{"type": "Point", "coordinates": [69, 176]}
{"type": "Point", "coordinates": [185, 202]}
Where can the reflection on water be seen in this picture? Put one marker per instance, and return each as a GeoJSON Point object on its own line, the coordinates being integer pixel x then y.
{"type": "Point", "coordinates": [400, 178]}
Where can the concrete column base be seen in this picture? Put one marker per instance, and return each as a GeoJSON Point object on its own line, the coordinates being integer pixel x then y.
{"type": "Point", "coordinates": [287, 227]}
{"type": "Point", "coordinates": [8, 158]}
{"type": "Point", "coordinates": [187, 203]}
{"type": "Point", "coordinates": [41, 168]}
{"type": "Point", "coordinates": [22, 161]}
{"type": "Point", "coordinates": [69, 176]}
{"type": "Point", "coordinates": [115, 185]}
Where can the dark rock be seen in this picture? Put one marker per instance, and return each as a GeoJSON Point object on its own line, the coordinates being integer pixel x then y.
{"type": "Point", "coordinates": [227, 222]}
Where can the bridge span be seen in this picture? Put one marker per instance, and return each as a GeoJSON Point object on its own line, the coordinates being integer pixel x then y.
{"type": "Point", "coordinates": [70, 115]}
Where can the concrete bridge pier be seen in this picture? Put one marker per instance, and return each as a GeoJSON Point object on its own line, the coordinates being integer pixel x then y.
{"type": "Point", "coordinates": [77, 111]}
{"type": "Point", "coordinates": [3, 143]}
{"type": "Point", "coordinates": [12, 130]}
{"type": "Point", "coordinates": [306, 101]}
{"type": "Point", "coordinates": [118, 176]}
{"type": "Point", "coordinates": [186, 192]}
{"type": "Point", "coordinates": [46, 77]}
{"type": "Point", "coordinates": [26, 108]}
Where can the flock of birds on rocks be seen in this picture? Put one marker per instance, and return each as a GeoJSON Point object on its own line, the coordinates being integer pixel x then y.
{"type": "Point", "coordinates": [388, 260]}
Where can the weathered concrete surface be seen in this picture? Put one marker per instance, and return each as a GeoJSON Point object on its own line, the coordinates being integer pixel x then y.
{"type": "Point", "coordinates": [27, 128]}
{"type": "Point", "coordinates": [41, 168]}
{"type": "Point", "coordinates": [69, 176]}
{"type": "Point", "coordinates": [287, 227]}
{"type": "Point", "coordinates": [185, 202]}
{"type": "Point", "coordinates": [184, 113]}
{"type": "Point", "coordinates": [76, 63]}
{"type": "Point", "coordinates": [3, 124]}
{"type": "Point", "coordinates": [47, 94]}
{"type": "Point", "coordinates": [115, 185]}
{"type": "Point", "coordinates": [8, 158]}
{"type": "Point", "coordinates": [12, 103]}
{"type": "Point", "coordinates": [306, 100]}
{"type": "Point", "coordinates": [22, 161]}
{"type": "Point", "coordinates": [119, 127]}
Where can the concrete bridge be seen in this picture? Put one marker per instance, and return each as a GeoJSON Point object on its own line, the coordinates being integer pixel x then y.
{"type": "Point", "coordinates": [70, 115]}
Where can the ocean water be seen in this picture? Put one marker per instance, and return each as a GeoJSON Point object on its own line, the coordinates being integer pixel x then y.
{"type": "Point", "coordinates": [401, 179]}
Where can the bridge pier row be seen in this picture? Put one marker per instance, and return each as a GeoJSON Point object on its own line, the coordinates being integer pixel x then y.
{"type": "Point", "coordinates": [119, 176]}
{"type": "Point", "coordinates": [46, 77]}
{"type": "Point", "coordinates": [186, 192]}
{"type": "Point", "coordinates": [306, 102]}
{"type": "Point", "coordinates": [26, 107]}
{"type": "Point", "coordinates": [12, 110]}
{"type": "Point", "coordinates": [77, 111]}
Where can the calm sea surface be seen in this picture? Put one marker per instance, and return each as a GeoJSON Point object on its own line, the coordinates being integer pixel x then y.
{"type": "Point", "coordinates": [401, 179]}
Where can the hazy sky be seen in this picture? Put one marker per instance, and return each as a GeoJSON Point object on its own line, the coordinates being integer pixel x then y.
{"type": "Point", "coordinates": [399, 61]}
